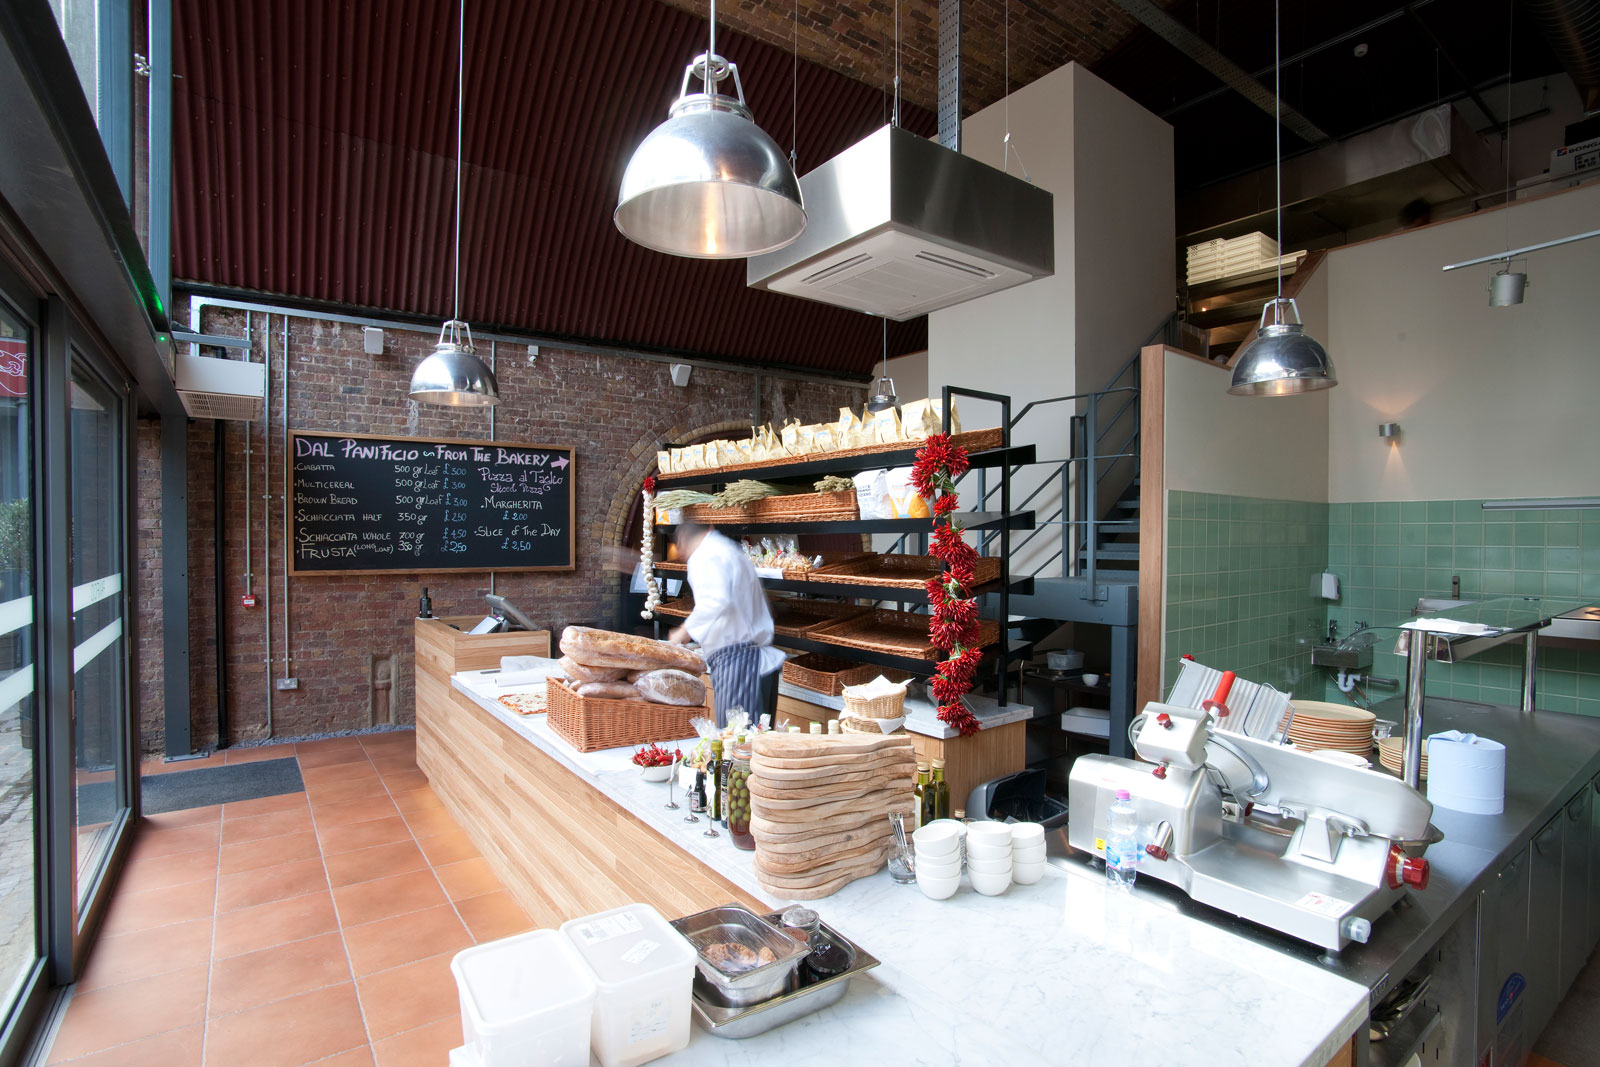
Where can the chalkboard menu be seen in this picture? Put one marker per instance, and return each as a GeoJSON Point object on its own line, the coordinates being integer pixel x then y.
{"type": "Point", "coordinates": [377, 505]}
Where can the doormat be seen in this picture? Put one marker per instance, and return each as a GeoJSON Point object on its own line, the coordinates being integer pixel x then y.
{"type": "Point", "coordinates": [180, 790]}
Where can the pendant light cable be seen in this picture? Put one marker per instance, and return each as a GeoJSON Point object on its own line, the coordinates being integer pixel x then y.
{"type": "Point", "coordinates": [1511, 23]}
{"type": "Point", "coordinates": [1277, 142]}
{"type": "Point", "coordinates": [896, 71]}
{"type": "Point", "coordinates": [794, 93]}
{"type": "Point", "coordinates": [1007, 148]}
{"type": "Point", "coordinates": [461, 97]}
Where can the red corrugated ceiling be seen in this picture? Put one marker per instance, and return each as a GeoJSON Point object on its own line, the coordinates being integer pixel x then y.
{"type": "Point", "coordinates": [314, 145]}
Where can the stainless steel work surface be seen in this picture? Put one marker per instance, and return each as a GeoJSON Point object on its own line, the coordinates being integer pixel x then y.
{"type": "Point", "coordinates": [1549, 756]}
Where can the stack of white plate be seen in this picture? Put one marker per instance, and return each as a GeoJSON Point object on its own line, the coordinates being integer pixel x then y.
{"type": "Point", "coordinates": [989, 857]}
{"type": "Point", "coordinates": [1319, 725]}
{"type": "Point", "coordinates": [1392, 753]}
{"type": "Point", "coordinates": [1027, 852]}
{"type": "Point", "coordinates": [938, 858]}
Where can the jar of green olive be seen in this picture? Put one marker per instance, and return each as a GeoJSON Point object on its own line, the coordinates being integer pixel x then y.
{"type": "Point", "coordinates": [739, 796]}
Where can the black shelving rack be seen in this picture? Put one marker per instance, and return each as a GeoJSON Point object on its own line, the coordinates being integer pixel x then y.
{"type": "Point", "coordinates": [1006, 458]}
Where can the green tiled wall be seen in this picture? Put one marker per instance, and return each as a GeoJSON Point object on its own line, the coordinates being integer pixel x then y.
{"type": "Point", "coordinates": [1389, 554]}
{"type": "Point", "coordinates": [1239, 594]}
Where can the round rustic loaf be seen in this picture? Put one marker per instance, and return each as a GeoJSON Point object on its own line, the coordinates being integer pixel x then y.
{"type": "Point", "coordinates": [608, 691]}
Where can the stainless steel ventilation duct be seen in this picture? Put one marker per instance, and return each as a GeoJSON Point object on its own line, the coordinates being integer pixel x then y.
{"type": "Point", "coordinates": [1573, 29]}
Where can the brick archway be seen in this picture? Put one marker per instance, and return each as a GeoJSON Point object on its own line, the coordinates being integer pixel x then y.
{"type": "Point", "coordinates": [642, 463]}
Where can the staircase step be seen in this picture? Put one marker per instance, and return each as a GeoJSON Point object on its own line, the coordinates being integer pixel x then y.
{"type": "Point", "coordinates": [1128, 503]}
{"type": "Point", "coordinates": [1118, 526]}
{"type": "Point", "coordinates": [1114, 551]}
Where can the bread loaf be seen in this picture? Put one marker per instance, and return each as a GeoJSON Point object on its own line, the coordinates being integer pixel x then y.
{"type": "Point", "coordinates": [608, 691]}
{"type": "Point", "coordinates": [602, 648]}
{"type": "Point", "coordinates": [581, 673]}
{"type": "Point", "coordinates": [671, 687]}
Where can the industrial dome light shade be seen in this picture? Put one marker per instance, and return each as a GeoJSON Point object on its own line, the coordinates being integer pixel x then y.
{"type": "Point", "coordinates": [884, 398]}
{"type": "Point", "coordinates": [709, 183]}
{"type": "Point", "coordinates": [1282, 359]}
{"type": "Point", "coordinates": [453, 375]}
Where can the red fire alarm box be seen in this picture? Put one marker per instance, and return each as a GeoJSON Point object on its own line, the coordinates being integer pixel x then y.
{"type": "Point", "coordinates": [248, 600]}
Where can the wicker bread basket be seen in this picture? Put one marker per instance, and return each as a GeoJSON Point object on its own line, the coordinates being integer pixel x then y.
{"type": "Point", "coordinates": [588, 724]}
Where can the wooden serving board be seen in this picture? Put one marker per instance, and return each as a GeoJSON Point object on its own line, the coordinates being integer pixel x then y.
{"type": "Point", "coordinates": [824, 746]}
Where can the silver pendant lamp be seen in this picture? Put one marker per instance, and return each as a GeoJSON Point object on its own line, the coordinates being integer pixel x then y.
{"type": "Point", "coordinates": [453, 375]}
{"type": "Point", "coordinates": [883, 398]}
{"type": "Point", "coordinates": [1282, 359]}
{"type": "Point", "coordinates": [709, 183]}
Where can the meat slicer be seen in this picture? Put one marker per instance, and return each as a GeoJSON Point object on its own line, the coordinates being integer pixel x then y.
{"type": "Point", "coordinates": [1296, 841]}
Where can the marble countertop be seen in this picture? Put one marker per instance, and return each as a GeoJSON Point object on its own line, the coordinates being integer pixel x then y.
{"type": "Point", "coordinates": [1065, 971]}
{"type": "Point", "coordinates": [922, 716]}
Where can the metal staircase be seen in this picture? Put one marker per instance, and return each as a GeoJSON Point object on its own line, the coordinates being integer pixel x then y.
{"type": "Point", "coordinates": [1089, 574]}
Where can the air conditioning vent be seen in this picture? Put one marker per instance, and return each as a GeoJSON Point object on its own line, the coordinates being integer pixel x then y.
{"type": "Point", "coordinates": [955, 264]}
{"type": "Point", "coordinates": [213, 388]}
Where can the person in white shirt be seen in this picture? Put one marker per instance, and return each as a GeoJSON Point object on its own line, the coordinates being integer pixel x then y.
{"type": "Point", "coordinates": [731, 622]}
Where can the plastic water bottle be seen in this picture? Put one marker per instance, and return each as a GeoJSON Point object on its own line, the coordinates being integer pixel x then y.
{"type": "Point", "coordinates": [1122, 841]}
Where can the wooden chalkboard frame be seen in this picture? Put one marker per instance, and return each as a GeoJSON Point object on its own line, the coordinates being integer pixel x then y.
{"type": "Point", "coordinates": [572, 505]}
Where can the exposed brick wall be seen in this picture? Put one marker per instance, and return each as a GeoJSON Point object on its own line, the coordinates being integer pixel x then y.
{"type": "Point", "coordinates": [614, 411]}
{"type": "Point", "coordinates": [856, 37]}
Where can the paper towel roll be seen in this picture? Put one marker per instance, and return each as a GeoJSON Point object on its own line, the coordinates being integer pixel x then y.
{"type": "Point", "coordinates": [1466, 773]}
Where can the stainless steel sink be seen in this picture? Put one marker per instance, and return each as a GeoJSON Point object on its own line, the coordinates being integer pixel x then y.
{"type": "Point", "coordinates": [1339, 658]}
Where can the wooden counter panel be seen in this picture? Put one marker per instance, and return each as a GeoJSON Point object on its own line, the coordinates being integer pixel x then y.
{"type": "Point", "coordinates": [561, 847]}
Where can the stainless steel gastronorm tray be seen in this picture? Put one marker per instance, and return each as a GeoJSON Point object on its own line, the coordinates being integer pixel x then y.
{"type": "Point", "coordinates": [786, 1007]}
{"type": "Point", "coordinates": [741, 926]}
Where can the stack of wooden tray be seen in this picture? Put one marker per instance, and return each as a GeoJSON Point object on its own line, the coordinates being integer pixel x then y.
{"type": "Point", "coordinates": [794, 617]}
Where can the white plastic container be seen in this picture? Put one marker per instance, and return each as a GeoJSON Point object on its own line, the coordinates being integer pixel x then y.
{"type": "Point", "coordinates": [644, 972]}
{"type": "Point", "coordinates": [525, 1000]}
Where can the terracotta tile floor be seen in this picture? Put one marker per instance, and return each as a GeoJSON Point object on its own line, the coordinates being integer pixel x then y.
{"type": "Point", "coordinates": [314, 927]}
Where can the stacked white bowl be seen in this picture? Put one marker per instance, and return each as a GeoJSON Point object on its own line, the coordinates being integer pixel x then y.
{"type": "Point", "coordinates": [938, 858]}
{"type": "Point", "coordinates": [989, 857]}
{"type": "Point", "coordinates": [1027, 852]}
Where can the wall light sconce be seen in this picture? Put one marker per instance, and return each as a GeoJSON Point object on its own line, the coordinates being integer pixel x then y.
{"type": "Point", "coordinates": [1389, 431]}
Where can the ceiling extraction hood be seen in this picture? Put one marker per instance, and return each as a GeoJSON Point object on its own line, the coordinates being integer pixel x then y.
{"type": "Point", "coordinates": [900, 226]}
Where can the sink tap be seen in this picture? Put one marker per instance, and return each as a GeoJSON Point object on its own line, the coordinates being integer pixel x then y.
{"type": "Point", "coordinates": [1333, 631]}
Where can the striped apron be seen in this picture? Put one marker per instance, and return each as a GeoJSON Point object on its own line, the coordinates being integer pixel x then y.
{"type": "Point", "coordinates": [738, 684]}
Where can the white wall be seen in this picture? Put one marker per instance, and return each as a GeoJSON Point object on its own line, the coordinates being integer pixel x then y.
{"type": "Point", "coordinates": [1109, 164]}
{"type": "Point", "coordinates": [1492, 402]}
{"type": "Point", "coordinates": [1123, 238]}
{"type": "Point", "coordinates": [910, 374]}
{"type": "Point", "coordinates": [1262, 446]}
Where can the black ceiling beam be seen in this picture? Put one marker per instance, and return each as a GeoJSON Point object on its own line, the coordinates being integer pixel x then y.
{"type": "Point", "coordinates": [1226, 70]}
{"type": "Point", "coordinates": [1304, 54]}
{"type": "Point", "coordinates": [1461, 75]}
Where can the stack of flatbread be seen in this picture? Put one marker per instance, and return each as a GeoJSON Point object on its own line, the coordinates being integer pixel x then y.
{"type": "Point", "coordinates": [819, 808]}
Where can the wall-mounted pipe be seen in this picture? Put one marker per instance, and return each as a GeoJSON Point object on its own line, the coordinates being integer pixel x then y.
{"type": "Point", "coordinates": [288, 645]}
{"type": "Point", "coordinates": [266, 521]}
{"type": "Point", "coordinates": [219, 580]}
{"type": "Point", "coordinates": [249, 451]}
{"type": "Point", "coordinates": [493, 372]}
{"type": "Point", "coordinates": [203, 295]}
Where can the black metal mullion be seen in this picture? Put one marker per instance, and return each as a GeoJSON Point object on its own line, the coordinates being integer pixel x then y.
{"type": "Point", "coordinates": [54, 765]}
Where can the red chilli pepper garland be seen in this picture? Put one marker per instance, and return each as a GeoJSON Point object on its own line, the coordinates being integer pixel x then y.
{"type": "Point", "coordinates": [954, 626]}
